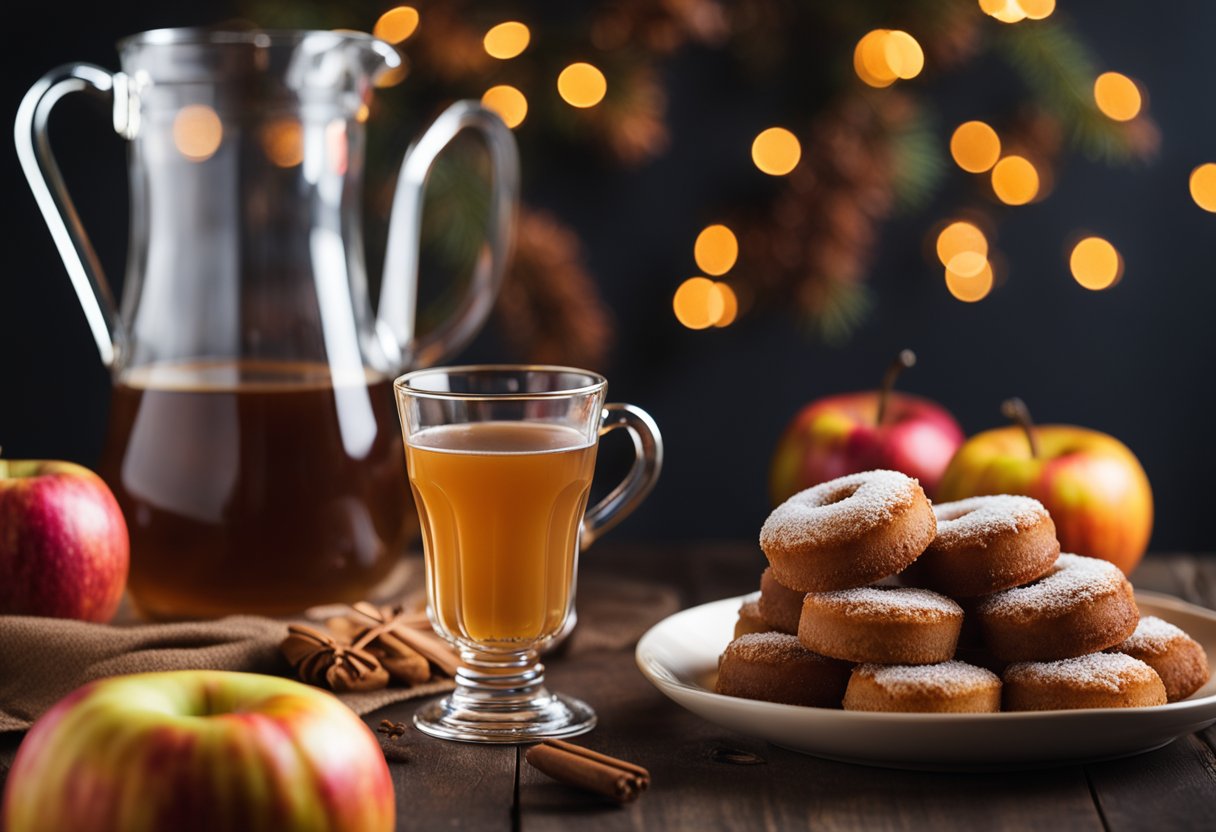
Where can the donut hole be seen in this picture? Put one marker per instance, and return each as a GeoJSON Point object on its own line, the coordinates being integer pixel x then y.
{"type": "Point", "coordinates": [952, 513]}
{"type": "Point", "coordinates": [839, 494]}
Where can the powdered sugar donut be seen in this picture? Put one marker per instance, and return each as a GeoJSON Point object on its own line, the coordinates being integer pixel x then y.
{"type": "Point", "coordinates": [848, 532]}
{"type": "Point", "coordinates": [1179, 660]}
{"type": "Point", "coordinates": [1096, 680]}
{"type": "Point", "coordinates": [949, 687]}
{"type": "Point", "coordinates": [781, 608]}
{"type": "Point", "coordinates": [1081, 606]}
{"type": "Point", "coordinates": [776, 668]}
{"type": "Point", "coordinates": [986, 544]}
{"type": "Point", "coordinates": [750, 620]}
{"type": "Point", "coordinates": [884, 625]}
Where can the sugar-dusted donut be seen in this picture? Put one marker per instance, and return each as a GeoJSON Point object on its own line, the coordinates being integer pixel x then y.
{"type": "Point", "coordinates": [779, 607]}
{"type": "Point", "coordinates": [949, 687]}
{"type": "Point", "coordinates": [880, 624]}
{"type": "Point", "coordinates": [1179, 660]}
{"type": "Point", "coordinates": [986, 544]}
{"type": "Point", "coordinates": [1095, 680]}
{"type": "Point", "coordinates": [1081, 606]}
{"type": "Point", "coordinates": [750, 620]}
{"type": "Point", "coordinates": [848, 532]}
{"type": "Point", "coordinates": [776, 668]}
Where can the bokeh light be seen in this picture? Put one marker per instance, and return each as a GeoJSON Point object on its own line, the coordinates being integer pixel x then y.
{"type": "Point", "coordinates": [975, 146]}
{"type": "Point", "coordinates": [1203, 186]}
{"type": "Point", "coordinates": [698, 303]}
{"type": "Point", "coordinates": [1037, 9]}
{"type": "Point", "coordinates": [507, 40]}
{"type": "Point", "coordinates": [1095, 263]}
{"type": "Point", "coordinates": [776, 151]}
{"type": "Point", "coordinates": [967, 263]}
{"type": "Point", "coordinates": [582, 85]}
{"type": "Point", "coordinates": [1006, 11]}
{"type": "Point", "coordinates": [197, 132]}
{"type": "Point", "coordinates": [1015, 180]}
{"type": "Point", "coordinates": [903, 54]}
{"type": "Point", "coordinates": [283, 142]}
{"type": "Point", "coordinates": [970, 288]}
{"type": "Point", "coordinates": [730, 305]}
{"type": "Point", "coordinates": [362, 114]}
{"type": "Point", "coordinates": [959, 237]}
{"type": "Point", "coordinates": [397, 24]}
{"type": "Point", "coordinates": [716, 250]}
{"type": "Point", "coordinates": [1117, 96]}
{"type": "Point", "coordinates": [508, 102]}
{"type": "Point", "coordinates": [393, 76]}
{"type": "Point", "coordinates": [870, 60]}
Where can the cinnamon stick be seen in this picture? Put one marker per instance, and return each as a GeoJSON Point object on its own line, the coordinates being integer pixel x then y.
{"type": "Point", "coordinates": [432, 647]}
{"type": "Point", "coordinates": [583, 768]}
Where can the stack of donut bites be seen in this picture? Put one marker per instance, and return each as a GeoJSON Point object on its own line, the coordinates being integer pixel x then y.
{"type": "Point", "coordinates": [877, 600]}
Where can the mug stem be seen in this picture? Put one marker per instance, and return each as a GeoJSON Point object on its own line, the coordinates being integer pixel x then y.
{"type": "Point", "coordinates": [501, 698]}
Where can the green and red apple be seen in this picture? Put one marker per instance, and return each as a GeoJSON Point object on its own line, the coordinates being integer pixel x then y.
{"type": "Point", "coordinates": [199, 750]}
{"type": "Point", "coordinates": [64, 550]}
{"type": "Point", "coordinates": [1091, 483]}
{"type": "Point", "coordinates": [852, 432]}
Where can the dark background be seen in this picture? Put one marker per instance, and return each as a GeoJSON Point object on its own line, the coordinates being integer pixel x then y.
{"type": "Point", "coordinates": [1134, 361]}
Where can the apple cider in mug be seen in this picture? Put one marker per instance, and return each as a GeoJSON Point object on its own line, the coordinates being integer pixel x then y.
{"type": "Point", "coordinates": [501, 505]}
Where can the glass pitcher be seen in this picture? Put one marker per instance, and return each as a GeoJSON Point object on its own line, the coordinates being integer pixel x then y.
{"type": "Point", "coordinates": [253, 443]}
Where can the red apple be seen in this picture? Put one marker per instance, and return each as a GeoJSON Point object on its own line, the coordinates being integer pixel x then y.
{"type": "Point", "coordinates": [1093, 486]}
{"type": "Point", "coordinates": [199, 750]}
{"type": "Point", "coordinates": [64, 549]}
{"type": "Point", "coordinates": [854, 432]}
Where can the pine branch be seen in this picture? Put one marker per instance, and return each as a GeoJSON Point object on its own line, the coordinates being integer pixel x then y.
{"type": "Point", "coordinates": [917, 162]}
{"type": "Point", "coordinates": [1059, 71]}
{"type": "Point", "coordinates": [841, 307]}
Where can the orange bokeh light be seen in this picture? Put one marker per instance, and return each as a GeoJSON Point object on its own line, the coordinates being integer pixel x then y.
{"type": "Point", "coordinates": [1015, 180]}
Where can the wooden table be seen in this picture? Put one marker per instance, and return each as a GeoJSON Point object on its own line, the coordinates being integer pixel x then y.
{"type": "Point", "coordinates": [625, 589]}
{"type": "Point", "coordinates": [458, 786]}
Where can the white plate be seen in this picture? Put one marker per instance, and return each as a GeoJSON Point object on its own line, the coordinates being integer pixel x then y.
{"type": "Point", "coordinates": [679, 656]}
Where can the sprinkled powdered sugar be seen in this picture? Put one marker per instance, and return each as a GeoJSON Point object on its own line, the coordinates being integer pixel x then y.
{"type": "Point", "coordinates": [1073, 579]}
{"type": "Point", "coordinates": [769, 648]}
{"type": "Point", "coordinates": [952, 678]}
{"type": "Point", "coordinates": [838, 508]}
{"type": "Point", "coordinates": [985, 516]}
{"type": "Point", "coordinates": [1152, 637]}
{"type": "Point", "coordinates": [1095, 671]}
{"type": "Point", "coordinates": [872, 600]}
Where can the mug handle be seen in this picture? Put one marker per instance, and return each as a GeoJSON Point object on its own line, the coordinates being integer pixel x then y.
{"type": "Point", "coordinates": [642, 476]}
{"type": "Point", "coordinates": [397, 316]}
{"type": "Point", "coordinates": [45, 180]}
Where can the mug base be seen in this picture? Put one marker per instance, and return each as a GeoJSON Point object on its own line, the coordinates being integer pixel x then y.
{"type": "Point", "coordinates": [545, 716]}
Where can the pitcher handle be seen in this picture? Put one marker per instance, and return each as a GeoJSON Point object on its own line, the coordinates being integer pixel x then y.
{"type": "Point", "coordinates": [42, 173]}
{"type": "Point", "coordinates": [642, 476]}
{"type": "Point", "coordinates": [399, 289]}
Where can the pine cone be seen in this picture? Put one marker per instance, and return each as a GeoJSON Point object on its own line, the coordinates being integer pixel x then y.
{"type": "Point", "coordinates": [550, 309]}
{"type": "Point", "coordinates": [814, 246]}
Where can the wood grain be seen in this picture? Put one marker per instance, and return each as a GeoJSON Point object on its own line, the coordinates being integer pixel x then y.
{"type": "Point", "coordinates": [623, 590]}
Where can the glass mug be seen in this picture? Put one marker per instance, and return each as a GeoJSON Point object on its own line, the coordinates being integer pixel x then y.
{"type": "Point", "coordinates": [252, 441]}
{"type": "Point", "coordinates": [500, 461]}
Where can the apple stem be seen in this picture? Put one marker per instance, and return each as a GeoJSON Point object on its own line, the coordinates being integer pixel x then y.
{"type": "Point", "coordinates": [1016, 410]}
{"type": "Point", "coordinates": [903, 361]}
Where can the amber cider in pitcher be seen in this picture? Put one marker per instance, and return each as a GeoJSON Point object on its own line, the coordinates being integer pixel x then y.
{"type": "Point", "coordinates": [256, 486]}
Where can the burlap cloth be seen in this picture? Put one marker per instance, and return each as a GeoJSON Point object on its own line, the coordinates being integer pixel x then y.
{"type": "Point", "coordinates": [44, 659]}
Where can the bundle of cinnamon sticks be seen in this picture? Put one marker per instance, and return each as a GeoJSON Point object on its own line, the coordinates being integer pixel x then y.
{"type": "Point", "coordinates": [368, 648]}
{"type": "Point", "coordinates": [586, 769]}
